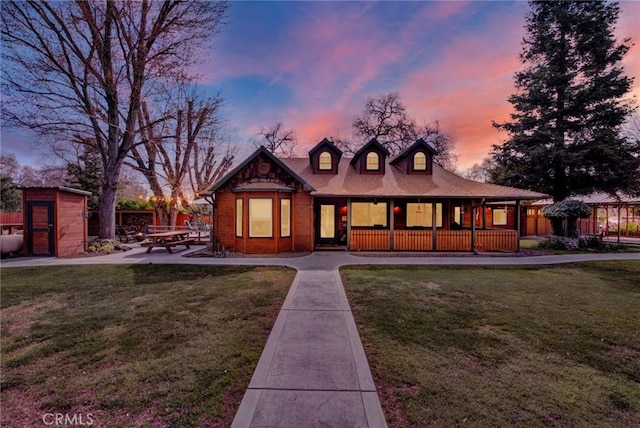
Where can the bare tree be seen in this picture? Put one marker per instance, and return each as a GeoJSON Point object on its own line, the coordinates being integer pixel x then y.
{"type": "Point", "coordinates": [631, 128]}
{"type": "Point", "coordinates": [442, 142]}
{"type": "Point", "coordinates": [79, 68]}
{"type": "Point", "coordinates": [385, 119]}
{"type": "Point", "coordinates": [175, 147]}
{"type": "Point", "coordinates": [212, 157]}
{"type": "Point", "coordinates": [278, 140]}
{"type": "Point", "coordinates": [479, 171]}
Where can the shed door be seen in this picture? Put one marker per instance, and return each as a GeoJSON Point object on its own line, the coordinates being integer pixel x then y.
{"type": "Point", "coordinates": [40, 228]}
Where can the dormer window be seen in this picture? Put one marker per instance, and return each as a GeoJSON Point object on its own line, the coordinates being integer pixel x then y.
{"type": "Point", "coordinates": [324, 161]}
{"type": "Point", "coordinates": [419, 162]}
{"type": "Point", "coordinates": [324, 158]}
{"type": "Point", "coordinates": [373, 161]}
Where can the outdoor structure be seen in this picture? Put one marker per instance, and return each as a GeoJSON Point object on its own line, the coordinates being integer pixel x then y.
{"type": "Point", "coordinates": [10, 223]}
{"type": "Point", "coordinates": [134, 220]}
{"type": "Point", "coordinates": [369, 202]}
{"type": "Point", "coordinates": [610, 216]}
{"type": "Point", "coordinates": [55, 221]}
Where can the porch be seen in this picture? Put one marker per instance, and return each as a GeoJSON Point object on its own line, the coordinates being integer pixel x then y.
{"type": "Point", "coordinates": [394, 224]}
{"type": "Point", "coordinates": [426, 240]}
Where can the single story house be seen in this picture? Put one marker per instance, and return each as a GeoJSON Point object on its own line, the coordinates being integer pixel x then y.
{"type": "Point", "coordinates": [268, 205]}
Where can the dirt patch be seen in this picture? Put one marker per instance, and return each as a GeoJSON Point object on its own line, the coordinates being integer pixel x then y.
{"type": "Point", "coordinates": [20, 409]}
{"type": "Point", "coordinates": [432, 285]}
{"type": "Point", "coordinates": [18, 320]}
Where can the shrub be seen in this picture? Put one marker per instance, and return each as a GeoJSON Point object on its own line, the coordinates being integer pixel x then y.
{"type": "Point", "coordinates": [133, 204]}
{"type": "Point", "coordinates": [559, 243]}
{"type": "Point", "coordinates": [570, 209]}
{"type": "Point", "coordinates": [101, 246]}
{"type": "Point", "coordinates": [592, 243]}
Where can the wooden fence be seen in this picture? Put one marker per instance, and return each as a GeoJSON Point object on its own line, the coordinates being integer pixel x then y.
{"type": "Point", "coordinates": [10, 222]}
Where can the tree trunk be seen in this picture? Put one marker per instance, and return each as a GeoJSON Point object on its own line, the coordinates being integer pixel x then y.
{"type": "Point", "coordinates": [107, 224]}
{"type": "Point", "coordinates": [161, 214]}
{"type": "Point", "coordinates": [557, 225]}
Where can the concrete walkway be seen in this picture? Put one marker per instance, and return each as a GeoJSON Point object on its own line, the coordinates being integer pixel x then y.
{"type": "Point", "coordinates": [313, 371]}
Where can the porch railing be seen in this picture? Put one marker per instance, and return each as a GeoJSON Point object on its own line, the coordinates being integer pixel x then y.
{"type": "Point", "coordinates": [453, 240]}
{"type": "Point", "coordinates": [413, 240]}
{"type": "Point", "coordinates": [370, 240]}
{"type": "Point", "coordinates": [422, 240]}
{"type": "Point", "coordinates": [496, 240]}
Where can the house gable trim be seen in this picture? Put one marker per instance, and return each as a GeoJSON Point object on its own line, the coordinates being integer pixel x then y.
{"type": "Point", "coordinates": [261, 150]}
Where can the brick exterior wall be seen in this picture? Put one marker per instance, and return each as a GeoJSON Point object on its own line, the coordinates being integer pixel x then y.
{"type": "Point", "coordinates": [301, 239]}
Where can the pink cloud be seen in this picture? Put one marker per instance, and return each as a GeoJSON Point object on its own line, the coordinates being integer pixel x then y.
{"type": "Point", "coordinates": [333, 62]}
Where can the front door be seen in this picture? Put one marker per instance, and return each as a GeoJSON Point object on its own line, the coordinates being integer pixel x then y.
{"type": "Point", "coordinates": [40, 227]}
{"type": "Point", "coordinates": [326, 225]}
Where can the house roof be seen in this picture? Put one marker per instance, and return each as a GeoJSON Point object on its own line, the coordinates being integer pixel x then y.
{"type": "Point", "coordinates": [372, 143]}
{"type": "Point", "coordinates": [420, 143]}
{"type": "Point", "coordinates": [325, 143]}
{"type": "Point", "coordinates": [261, 150]}
{"type": "Point", "coordinates": [396, 183]}
{"type": "Point", "coordinates": [597, 198]}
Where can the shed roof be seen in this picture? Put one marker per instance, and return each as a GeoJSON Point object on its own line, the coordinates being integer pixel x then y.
{"type": "Point", "coordinates": [59, 188]}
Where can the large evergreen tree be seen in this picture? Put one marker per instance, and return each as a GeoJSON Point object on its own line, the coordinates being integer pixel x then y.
{"type": "Point", "coordinates": [564, 137]}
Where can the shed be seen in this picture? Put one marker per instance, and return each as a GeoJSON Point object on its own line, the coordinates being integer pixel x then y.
{"type": "Point", "coordinates": [55, 221]}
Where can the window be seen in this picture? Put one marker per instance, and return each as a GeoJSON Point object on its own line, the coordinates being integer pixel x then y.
{"type": "Point", "coordinates": [421, 215]}
{"type": "Point", "coordinates": [324, 162]}
{"type": "Point", "coordinates": [369, 214]}
{"type": "Point", "coordinates": [373, 161]}
{"type": "Point", "coordinates": [260, 218]}
{"type": "Point", "coordinates": [238, 217]}
{"type": "Point", "coordinates": [419, 162]}
{"type": "Point", "coordinates": [499, 217]}
{"type": "Point", "coordinates": [285, 217]}
{"type": "Point", "coordinates": [457, 216]}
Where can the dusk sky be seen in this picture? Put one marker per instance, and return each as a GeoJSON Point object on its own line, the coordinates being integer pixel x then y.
{"type": "Point", "coordinates": [312, 65]}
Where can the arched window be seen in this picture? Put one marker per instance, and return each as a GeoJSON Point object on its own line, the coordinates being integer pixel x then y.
{"type": "Point", "coordinates": [373, 161]}
{"type": "Point", "coordinates": [325, 161]}
{"type": "Point", "coordinates": [419, 162]}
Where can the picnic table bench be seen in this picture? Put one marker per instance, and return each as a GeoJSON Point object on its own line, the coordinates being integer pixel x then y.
{"type": "Point", "coordinates": [167, 240]}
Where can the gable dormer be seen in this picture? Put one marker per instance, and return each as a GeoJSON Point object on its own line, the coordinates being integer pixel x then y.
{"type": "Point", "coordinates": [324, 157]}
{"type": "Point", "coordinates": [371, 158]}
{"type": "Point", "coordinates": [417, 159]}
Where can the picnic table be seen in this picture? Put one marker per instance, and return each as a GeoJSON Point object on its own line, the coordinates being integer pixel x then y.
{"type": "Point", "coordinates": [168, 240]}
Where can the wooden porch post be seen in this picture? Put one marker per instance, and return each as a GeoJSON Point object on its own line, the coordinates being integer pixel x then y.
{"type": "Point", "coordinates": [473, 226]}
{"type": "Point", "coordinates": [348, 223]}
{"type": "Point", "coordinates": [433, 225]}
{"type": "Point", "coordinates": [484, 213]}
{"type": "Point", "coordinates": [292, 222]}
{"type": "Point", "coordinates": [392, 245]}
{"type": "Point", "coordinates": [517, 225]}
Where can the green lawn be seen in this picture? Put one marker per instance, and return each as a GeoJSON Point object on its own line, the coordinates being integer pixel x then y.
{"type": "Point", "coordinates": [509, 346]}
{"type": "Point", "coordinates": [134, 345]}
